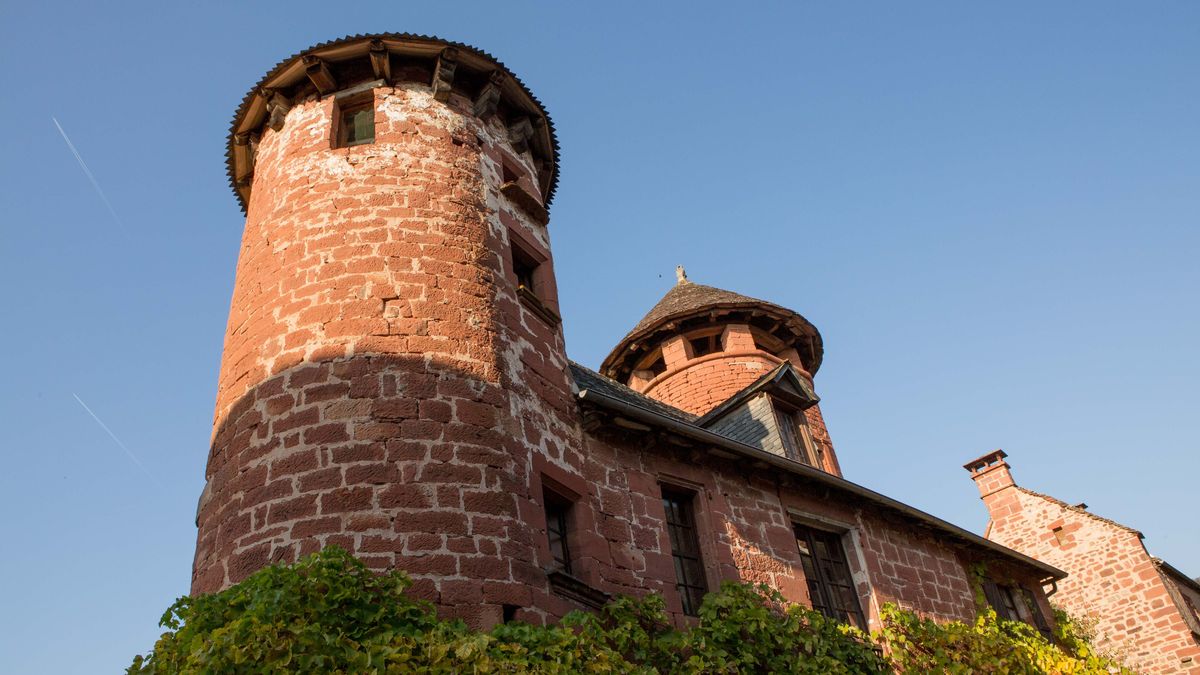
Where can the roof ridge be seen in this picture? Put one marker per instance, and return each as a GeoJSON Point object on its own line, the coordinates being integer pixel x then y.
{"type": "Point", "coordinates": [1077, 509]}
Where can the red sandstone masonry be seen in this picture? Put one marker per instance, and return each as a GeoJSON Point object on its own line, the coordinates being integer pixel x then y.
{"type": "Point", "coordinates": [382, 387]}
{"type": "Point", "coordinates": [1111, 576]}
{"type": "Point", "coordinates": [746, 523]}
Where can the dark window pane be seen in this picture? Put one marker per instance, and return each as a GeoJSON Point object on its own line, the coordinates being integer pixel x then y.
{"type": "Point", "coordinates": [830, 586]}
{"type": "Point", "coordinates": [702, 346]}
{"type": "Point", "coordinates": [992, 592]}
{"type": "Point", "coordinates": [524, 268]}
{"type": "Point", "coordinates": [1035, 611]}
{"type": "Point", "coordinates": [358, 125]}
{"type": "Point", "coordinates": [556, 530]}
{"type": "Point", "coordinates": [685, 550]}
{"type": "Point", "coordinates": [791, 436]}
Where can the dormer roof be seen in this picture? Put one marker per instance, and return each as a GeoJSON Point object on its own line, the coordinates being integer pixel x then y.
{"type": "Point", "coordinates": [783, 383]}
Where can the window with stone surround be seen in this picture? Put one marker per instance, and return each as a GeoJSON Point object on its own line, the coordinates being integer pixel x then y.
{"type": "Point", "coordinates": [558, 509]}
{"type": "Point", "coordinates": [830, 585]}
{"type": "Point", "coordinates": [690, 579]}
{"type": "Point", "coordinates": [354, 117]}
{"type": "Point", "coordinates": [532, 277]}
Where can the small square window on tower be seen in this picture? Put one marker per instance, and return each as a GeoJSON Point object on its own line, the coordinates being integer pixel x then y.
{"type": "Point", "coordinates": [533, 279]}
{"type": "Point", "coordinates": [355, 120]}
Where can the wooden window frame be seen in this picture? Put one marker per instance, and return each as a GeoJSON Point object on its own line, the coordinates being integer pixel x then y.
{"type": "Point", "coordinates": [821, 587]}
{"type": "Point", "coordinates": [1016, 603]}
{"type": "Point", "coordinates": [794, 435]}
{"type": "Point", "coordinates": [683, 533]}
{"type": "Point", "coordinates": [558, 511]}
{"type": "Point", "coordinates": [349, 103]}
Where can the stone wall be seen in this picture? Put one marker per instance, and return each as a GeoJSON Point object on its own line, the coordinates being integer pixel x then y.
{"type": "Point", "coordinates": [383, 385]}
{"type": "Point", "coordinates": [1111, 576]}
{"type": "Point", "coordinates": [745, 519]}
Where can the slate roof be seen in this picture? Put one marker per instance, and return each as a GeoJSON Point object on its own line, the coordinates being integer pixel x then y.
{"type": "Point", "coordinates": [594, 388]}
{"type": "Point", "coordinates": [687, 299]}
{"type": "Point", "coordinates": [588, 379]}
{"type": "Point", "coordinates": [1179, 576]}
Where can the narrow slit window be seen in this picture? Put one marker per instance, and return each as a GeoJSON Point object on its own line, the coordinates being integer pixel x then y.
{"type": "Point", "coordinates": [524, 269]}
{"type": "Point", "coordinates": [357, 124]}
{"type": "Point", "coordinates": [557, 512]}
{"type": "Point", "coordinates": [690, 580]}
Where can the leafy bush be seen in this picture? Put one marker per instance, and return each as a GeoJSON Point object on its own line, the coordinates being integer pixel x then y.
{"type": "Point", "coordinates": [988, 645]}
{"type": "Point", "coordinates": [328, 613]}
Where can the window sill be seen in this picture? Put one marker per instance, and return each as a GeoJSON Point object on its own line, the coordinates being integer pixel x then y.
{"type": "Point", "coordinates": [535, 305]}
{"type": "Point", "coordinates": [576, 589]}
{"type": "Point", "coordinates": [526, 202]}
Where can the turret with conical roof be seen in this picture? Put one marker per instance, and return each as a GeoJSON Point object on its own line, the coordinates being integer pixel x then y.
{"type": "Point", "coordinates": [699, 346]}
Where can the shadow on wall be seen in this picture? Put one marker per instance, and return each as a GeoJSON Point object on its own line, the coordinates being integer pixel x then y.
{"type": "Point", "coordinates": [409, 462]}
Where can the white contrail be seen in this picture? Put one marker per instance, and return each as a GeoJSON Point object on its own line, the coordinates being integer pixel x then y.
{"type": "Point", "coordinates": [117, 440]}
{"type": "Point", "coordinates": [83, 165]}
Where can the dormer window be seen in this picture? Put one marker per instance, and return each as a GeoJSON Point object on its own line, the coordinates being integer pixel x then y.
{"type": "Point", "coordinates": [794, 436]}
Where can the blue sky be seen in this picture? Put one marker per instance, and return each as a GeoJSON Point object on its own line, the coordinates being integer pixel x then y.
{"type": "Point", "coordinates": [990, 212]}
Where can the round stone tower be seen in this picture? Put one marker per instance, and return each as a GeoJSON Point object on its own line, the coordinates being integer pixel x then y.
{"type": "Point", "coordinates": [699, 346]}
{"type": "Point", "coordinates": [393, 362]}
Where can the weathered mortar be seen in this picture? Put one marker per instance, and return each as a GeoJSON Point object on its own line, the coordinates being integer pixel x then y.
{"type": "Point", "coordinates": [382, 386]}
{"type": "Point", "coordinates": [1112, 578]}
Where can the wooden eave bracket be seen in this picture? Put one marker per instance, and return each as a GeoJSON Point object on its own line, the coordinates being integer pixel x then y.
{"type": "Point", "coordinates": [381, 61]}
{"type": "Point", "coordinates": [278, 106]}
{"type": "Point", "coordinates": [318, 72]}
{"type": "Point", "coordinates": [488, 100]}
{"type": "Point", "coordinates": [443, 73]}
{"type": "Point", "coordinates": [245, 145]}
{"type": "Point", "coordinates": [519, 134]}
{"type": "Point", "coordinates": [526, 202]}
{"type": "Point", "coordinates": [540, 142]}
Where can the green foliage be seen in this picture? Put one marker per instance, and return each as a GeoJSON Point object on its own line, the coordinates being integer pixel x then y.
{"type": "Point", "coordinates": [988, 645]}
{"type": "Point", "coordinates": [329, 614]}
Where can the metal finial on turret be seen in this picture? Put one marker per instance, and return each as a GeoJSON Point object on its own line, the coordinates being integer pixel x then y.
{"type": "Point", "coordinates": [681, 275]}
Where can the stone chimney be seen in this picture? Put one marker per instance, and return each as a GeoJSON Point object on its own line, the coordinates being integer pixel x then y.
{"type": "Point", "coordinates": [990, 473]}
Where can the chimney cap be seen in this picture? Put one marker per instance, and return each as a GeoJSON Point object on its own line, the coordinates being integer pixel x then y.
{"type": "Point", "coordinates": [992, 458]}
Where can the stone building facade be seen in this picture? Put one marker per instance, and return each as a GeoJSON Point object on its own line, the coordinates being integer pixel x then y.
{"type": "Point", "coordinates": [395, 381]}
{"type": "Point", "coordinates": [1145, 610]}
